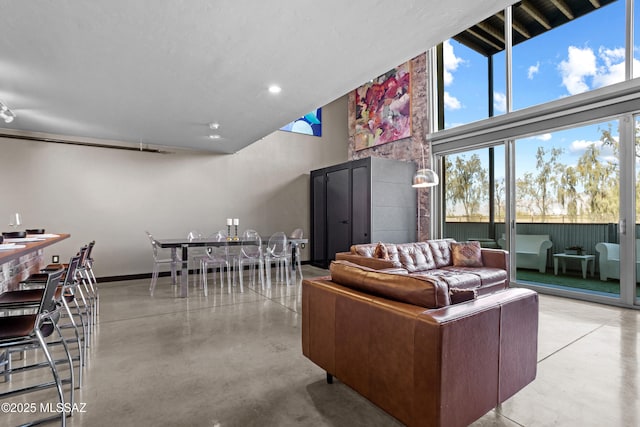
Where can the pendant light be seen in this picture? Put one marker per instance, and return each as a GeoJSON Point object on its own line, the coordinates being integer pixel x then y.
{"type": "Point", "coordinates": [425, 177]}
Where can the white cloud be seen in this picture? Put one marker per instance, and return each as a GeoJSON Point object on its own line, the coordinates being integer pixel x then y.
{"type": "Point", "coordinates": [544, 137]}
{"type": "Point", "coordinates": [581, 145]}
{"type": "Point", "coordinates": [583, 70]}
{"type": "Point", "coordinates": [613, 69]}
{"type": "Point", "coordinates": [533, 70]}
{"type": "Point", "coordinates": [451, 102]}
{"type": "Point", "coordinates": [580, 64]}
{"type": "Point", "coordinates": [451, 62]}
{"type": "Point", "coordinates": [578, 147]}
{"type": "Point", "coordinates": [636, 68]}
{"type": "Point", "coordinates": [499, 102]}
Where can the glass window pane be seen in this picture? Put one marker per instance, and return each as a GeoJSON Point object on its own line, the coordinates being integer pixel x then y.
{"type": "Point", "coordinates": [636, 38]}
{"type": "Point", "coordinates": [468, 180]}
{"type": "Point", "coordinates": [567, 186]}
{"type": "Point", "coordinates": [637, 172]}
{"type": "Point", "coordinates": [576, 57]}
{"type": "Point", "coordinates": [465, 85]}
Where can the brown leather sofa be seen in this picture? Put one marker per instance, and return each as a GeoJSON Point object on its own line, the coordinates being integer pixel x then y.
{"type": "Point", "coordinates": [399, 341]}
{"type": "Point", "coordinates": [434, 259]}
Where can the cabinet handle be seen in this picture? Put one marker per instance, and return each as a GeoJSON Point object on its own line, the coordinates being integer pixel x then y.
{"type": "Point", "coordinates": [344, 222]}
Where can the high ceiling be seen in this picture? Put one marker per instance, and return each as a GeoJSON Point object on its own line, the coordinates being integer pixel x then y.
{"type": "Point", "coordinates": [154, 74]}
{"type": "Point", "coordinates": [530, 18]}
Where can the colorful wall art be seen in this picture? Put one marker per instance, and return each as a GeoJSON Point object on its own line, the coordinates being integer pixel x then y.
{"type": "Point", "coordinates": [309, 124]}
{"type": "Point", "coordinates": [383, 108]}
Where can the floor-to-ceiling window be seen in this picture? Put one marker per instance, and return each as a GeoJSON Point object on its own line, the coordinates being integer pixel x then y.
{"type": "Point", "coordinates": [560, 175]}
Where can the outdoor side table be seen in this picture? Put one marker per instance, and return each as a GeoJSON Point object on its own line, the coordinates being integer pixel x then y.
{"type": "Point", "coordinates": [584, 262]}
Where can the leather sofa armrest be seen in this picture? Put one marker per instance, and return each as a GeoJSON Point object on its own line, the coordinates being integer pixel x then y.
{"type": "Point", "coordinates": [374, 263]}
{"type": "Point", "coordinates": [491, 353]}
{"type": "Point", "coordinates": [495, 258]}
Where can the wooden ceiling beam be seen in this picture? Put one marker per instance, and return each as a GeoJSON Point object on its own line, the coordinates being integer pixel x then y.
{"type": "Point", "coordinates": [564, 8]}
{"type": "Point", "coordinates": [535, 14]}
{"type": "Point", "coordinates": [491, 30]}
{"type": "Point", "coordinates": [484, 39]}
{"type": "Point", "coordinates": [595, 3]}
{"type": "Point", "coordinates": [516, 26]}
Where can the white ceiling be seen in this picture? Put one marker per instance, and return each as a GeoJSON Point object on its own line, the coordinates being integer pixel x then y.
{"type": "Point", "coordinates": [158, 72]}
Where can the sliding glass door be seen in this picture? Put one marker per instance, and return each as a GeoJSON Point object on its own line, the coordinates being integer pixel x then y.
{"type": "Point", "coordinates": [567, 209]}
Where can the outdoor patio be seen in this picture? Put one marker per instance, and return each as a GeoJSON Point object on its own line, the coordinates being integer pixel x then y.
{"type": "Point", "coordinates": [573, 280]}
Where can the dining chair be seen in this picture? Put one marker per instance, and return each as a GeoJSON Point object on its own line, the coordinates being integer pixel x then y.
{"type": "Point", "coordinates": [277, 252]}
{"type": "Point", "coordinates": [195, 253]}
{"type": "Point", "coordinates": [251, 254]}
{"type": "Point", "coordinates": [217, 257]}
{"type": "Point", "coordinates": [297, 234]}
{"type": "Point", "coordinates": [159, 260]}
{"type": "Point", "coordinates": [22, 332]}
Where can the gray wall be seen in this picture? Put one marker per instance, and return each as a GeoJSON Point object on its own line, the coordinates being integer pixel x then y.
{"type": "Point", "coordinates": [393, 201]}
{"type": "Point", "coordinates": [113, 196]}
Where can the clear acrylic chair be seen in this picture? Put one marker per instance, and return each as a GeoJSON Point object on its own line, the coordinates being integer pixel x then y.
{"type": "Point", "coordinates": [250, 254]}
{"type": "Point", "coordinates": [159, 260]}
{"type": "Point", "coordinates": [216, 256]}
{"type": "Point", "coordinates": [195, 253]}
{"type": "Point", "coordinates": [277, 252]}
{"type": "Point", "coordinates": [297, 234]}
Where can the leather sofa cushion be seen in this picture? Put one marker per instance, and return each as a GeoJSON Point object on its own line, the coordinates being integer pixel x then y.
{"type": "Point", "coordinates": [415, 256]}
{"type": "Point", "coordinates": [488, 276]}
{"type": "Point", "coordinates": [367, 250]}
{"type": "Point", "coordinates": [452, 279]}
{"type": "Point", "coordinates": [441, 252]}
{"type": "Point", "coordinates": [418, 290]}
{"type": "Point", "coordinates": [466, 254]}
{"type": "Point", "coordinates": [381, 251]}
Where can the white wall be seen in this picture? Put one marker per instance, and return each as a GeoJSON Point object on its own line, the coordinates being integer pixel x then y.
{"type": "Point", "coordinates": [113, 196]}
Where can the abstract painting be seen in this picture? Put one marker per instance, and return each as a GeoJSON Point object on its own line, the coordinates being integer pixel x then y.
{"type": "Point", "coordinates": [383, 108]}
{"type": "Point", "coordinates": [309, 124]}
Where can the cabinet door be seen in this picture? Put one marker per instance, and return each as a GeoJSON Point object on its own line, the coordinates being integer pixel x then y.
{"type": "Point", "coordinates": [360, 205]}
{"type": "Point", "coordinates": [318, 221]}
{"type": "Point", "coordinates": [338, 218]}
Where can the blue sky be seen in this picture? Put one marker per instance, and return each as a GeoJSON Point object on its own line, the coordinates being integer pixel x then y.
{"type": "Point", "coordinates": [582, 55]}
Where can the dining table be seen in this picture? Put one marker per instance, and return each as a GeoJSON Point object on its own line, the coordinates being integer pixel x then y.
{"type": "Point", "coordinates": [185, 243]}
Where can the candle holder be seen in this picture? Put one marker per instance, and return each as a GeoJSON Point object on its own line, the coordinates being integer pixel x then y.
{"type": "Point", "coordinates": [236, 236]}
{"type": "Point", "coordinates": [228, 232]}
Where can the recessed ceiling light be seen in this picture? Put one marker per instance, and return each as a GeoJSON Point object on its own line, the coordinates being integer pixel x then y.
{"type": "Point", "coordinates": [275, 89]}
{"type": "Point", "coordinates": [214, 136]}
{"type": "Point", "coordinates": [214, 125]}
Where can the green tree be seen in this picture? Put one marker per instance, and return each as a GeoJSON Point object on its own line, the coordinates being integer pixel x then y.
{"type": "Point", "coordinates": [612, 141]}
{"type": "Point", "coordinates": [467, 183]}
{"type": "Point", "coordinates": [600, 184]}
{"type": "Point", "coordinates": [568, 192]}
{"type": "Point", "coordinates": [536, 192]}
{"type": "Point", "coordinates": [500, 201]}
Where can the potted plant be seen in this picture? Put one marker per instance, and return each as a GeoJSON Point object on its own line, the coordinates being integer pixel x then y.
{"type": "Point", "coordinates": [574, 250]}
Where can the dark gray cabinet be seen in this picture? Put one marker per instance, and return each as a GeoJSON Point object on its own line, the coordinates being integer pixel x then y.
{"type": "Point", "coordinates": [361, 201]}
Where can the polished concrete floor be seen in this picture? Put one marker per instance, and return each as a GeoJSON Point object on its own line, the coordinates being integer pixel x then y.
{"type": "Point", "coordinates": [235, 359]}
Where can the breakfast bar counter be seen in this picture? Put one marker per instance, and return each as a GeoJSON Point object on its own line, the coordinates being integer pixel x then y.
{"type": "Point", "coordinates": [26, 258]}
